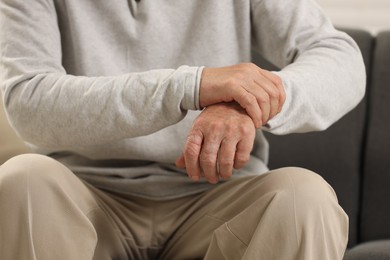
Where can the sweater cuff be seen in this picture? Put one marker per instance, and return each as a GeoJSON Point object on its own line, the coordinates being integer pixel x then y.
{"type": "Point", "coordinates": [191, 89]}
{"type": "Point", "coordinates": [276, 125]}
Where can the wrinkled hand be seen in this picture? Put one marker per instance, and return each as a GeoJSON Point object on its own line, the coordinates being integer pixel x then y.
{"type": "Point", "coordinates": [258, 91]}
{"type": "Point", "coordinates": [220, 139]}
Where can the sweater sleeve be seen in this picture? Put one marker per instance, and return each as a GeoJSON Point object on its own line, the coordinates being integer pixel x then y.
{"type": "Point", "coordinates": [52, 109]}
{"type": "Point", "coordinates": [322, 68]}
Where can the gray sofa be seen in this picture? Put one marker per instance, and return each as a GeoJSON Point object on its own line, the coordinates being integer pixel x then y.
{"type": "Point", "coordinates": [353, 155]}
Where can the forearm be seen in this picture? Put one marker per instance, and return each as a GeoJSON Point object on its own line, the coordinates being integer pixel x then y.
{"type": "Point", "coordinates": [61, 111]}
{"type": "Point", "coordinates": [322, 68]}
{"type": "Point", "coordinates": [321, 86]}
{"type": "Point", "coordinates": [52, 109]}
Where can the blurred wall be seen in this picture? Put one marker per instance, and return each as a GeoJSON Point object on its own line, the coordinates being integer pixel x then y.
{"type": "Point", "coordinates": [373, 15]}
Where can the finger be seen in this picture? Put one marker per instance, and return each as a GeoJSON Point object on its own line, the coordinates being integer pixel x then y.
{"type": "Point", "coordinates": [248, 102]}
{"type": "Point", "coordinates": [191, 153]}
{"type": "Point", "coordinates": [264, 102]}
{"type": "Point", "coordinates": [243, 151]}
{"type": "Point", "coordinates": [208, 158]}
{"type": "Point", "coordinates": [226, 158]}
{"type": "Point", "coordinates": [272, 94]}
{"type": "Point", "coordinates": [279, 85]}
{"type": "Point", "coordinates": [180, 162]}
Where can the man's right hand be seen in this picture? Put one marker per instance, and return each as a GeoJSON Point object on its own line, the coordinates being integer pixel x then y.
{"type": "Point", "coordinates": [259, 92]}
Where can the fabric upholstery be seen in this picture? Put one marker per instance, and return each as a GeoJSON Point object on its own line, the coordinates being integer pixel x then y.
{"type": "Point", "coordinates": [375, 222]}
{"type": "Point", "coordinates": [375, 250]}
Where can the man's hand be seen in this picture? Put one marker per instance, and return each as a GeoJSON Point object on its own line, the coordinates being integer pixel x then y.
{"type": "Point", "coordinates": [221, 138]}
{"type": "Point", "coordinates": [258, 91]}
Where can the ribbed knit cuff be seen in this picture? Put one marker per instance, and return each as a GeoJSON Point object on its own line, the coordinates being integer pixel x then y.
{"type": "Point", "coordinates": [191, 88]}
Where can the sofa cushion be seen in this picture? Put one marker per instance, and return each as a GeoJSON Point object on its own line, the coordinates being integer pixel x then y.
{"type": "Point", "coordinates": [376, 250]}
{"type": "Point", "coordinates": [375, 222]}
{"type": "Point", "coordinates": [336, 153]}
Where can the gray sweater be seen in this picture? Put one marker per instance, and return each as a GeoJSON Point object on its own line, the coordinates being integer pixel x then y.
{"type": "Point", "coordinates": [111, 88]}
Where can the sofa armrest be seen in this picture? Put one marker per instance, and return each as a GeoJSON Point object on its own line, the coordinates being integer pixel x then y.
{"type": "Point", "coordinates": [375, 250]}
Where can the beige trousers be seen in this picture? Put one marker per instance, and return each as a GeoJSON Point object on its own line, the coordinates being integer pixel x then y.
{"type": "Point", "coordinates": [46, 212]}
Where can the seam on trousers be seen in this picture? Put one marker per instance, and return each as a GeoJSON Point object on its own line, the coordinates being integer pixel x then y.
{"type": "Point", "coordinates": [294, 206]}
{"type": "Point", "coordinates": [152, 233]}
{"type": "Point", "coordinates": [90, 211]}
{"type": "Point", "coordinates": [100, 204]}
{"type": "Point", "coordinates": [228, 228]}
{"type": "Point", "coordinates": [30, 216]}
{"type": "Point", "coordinates": [182, 232]}
{"type": "Point", "coordinates": [114, 228]}
{"type": "Point", "coordinates": [216, 218]}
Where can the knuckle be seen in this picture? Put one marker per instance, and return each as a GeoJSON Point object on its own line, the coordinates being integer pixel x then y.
{"type": "Point", "coordinates": [226, 163]}
{"type": "Point", "coordinates": [193, 141]}
{"type": "Point", "coordinates": [199, 122]}
{"type": "Point", "coordinates": [216, 127]}
{"type": "Point", "coordinates": [246, 68]}
{"type": "Point", "coordinates": [232, 81]}
{"type": "Point", "coordinates": [251, 99]}
{"type": "Point", "coordinates": [208, 155]}
{"type": "Point", "coordinates": [283, 95]}
{"type": "Point", "coordinates": [247, 99]}
{"type": "Point", "coordinates": [230, 132]}
{"type": "Point", "coordinates": [278, 81]}
{"type": "Point", "coordinates": [281, 92]}
{"type": "Point", "coordinates": [207, 160]}
{"type": "Point", "coordinates": [195, 137]}
{"type": "Point", "coordinates": [246, 130]}
{"type": "Point", "coordinates": [242, 158]}
{"type": "Point", "coordinates": [191, 152]}
{"type": "Point", "coordinates": [264, 98]}
{"type": "Point", "coordinates": [274, 94]}
{"type": "Point", "coordinates": [193, 146]}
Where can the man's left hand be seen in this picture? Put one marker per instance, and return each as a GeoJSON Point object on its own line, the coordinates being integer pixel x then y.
{"type": "Point", "coordinates": [220, 139]}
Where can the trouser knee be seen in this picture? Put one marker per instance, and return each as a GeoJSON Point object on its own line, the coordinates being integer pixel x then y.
{"type": "Point", "coordinates": [312, 199]}
{"type": "Point", "coordinates": [300, 193]}
{"type": "Point", "coordinates": [305, 186]}
{"type": "Point", "coordinates": [36, 178]}
{"type": "Point", "coordinates": [40, 199]}
{"type": "Point", "coordinates": [27, 171]}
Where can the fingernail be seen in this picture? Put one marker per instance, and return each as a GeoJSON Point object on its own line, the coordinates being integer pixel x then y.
{"type": "Point", "coordinates": [213, 181]}
{"type": "Point", "coordinates": [195, 178]}
{"type": "Point", "coordinates": [225, 178]}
